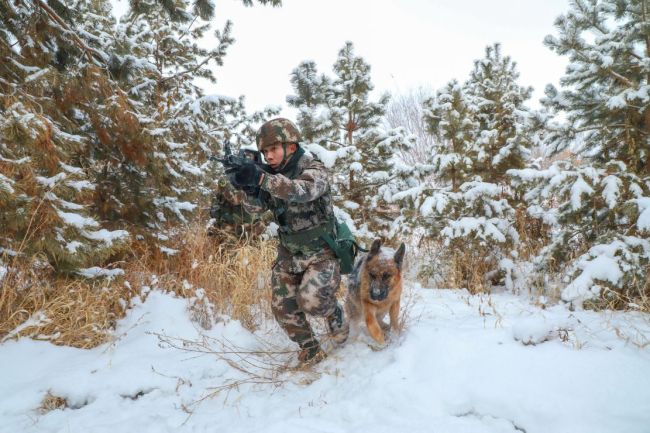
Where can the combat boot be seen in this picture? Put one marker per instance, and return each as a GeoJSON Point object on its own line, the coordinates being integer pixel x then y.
{"type": "Point", "coordinates": [310, 353]}
{"type": "Point", "coordinates": [339, 327]}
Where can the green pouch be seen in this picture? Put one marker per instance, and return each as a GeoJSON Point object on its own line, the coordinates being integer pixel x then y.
{"type": "Point", "coordinates": [344, 246]}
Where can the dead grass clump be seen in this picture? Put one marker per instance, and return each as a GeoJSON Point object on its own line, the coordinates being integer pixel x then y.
{"type": "Point", "coordinates": [533, 234]}
{"type": "Point", "coordinates": [52, 402]}
{"type": "Point", "coordinates": [618, 299]}
{"type": "Point", "coordinates": [233, 273]}
{"type": "Point", "coordinates": [77, 313]}
{"type": "Point", "coordinates": [425, 261]}
{"type": "Point", "coordinates": [469, 266]}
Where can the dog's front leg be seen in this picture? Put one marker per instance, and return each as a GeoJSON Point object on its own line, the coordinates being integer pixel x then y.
{"type": "Point", "coordinates": [394, 316]}
{"type": "Point", "coordinates": [371, 322]}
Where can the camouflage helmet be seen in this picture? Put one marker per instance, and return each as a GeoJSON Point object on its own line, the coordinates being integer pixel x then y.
{"type": "Point", "coordinates": [277, 130]}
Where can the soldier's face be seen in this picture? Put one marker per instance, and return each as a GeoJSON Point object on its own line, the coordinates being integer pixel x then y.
{"type": "Point", "coordinates": [274, 154]}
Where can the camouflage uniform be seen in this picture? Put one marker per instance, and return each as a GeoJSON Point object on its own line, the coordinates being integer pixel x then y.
{"type": "Point", "coordinates": [306, 275]}
{"type": "Point", "coordinates": [229, 214]}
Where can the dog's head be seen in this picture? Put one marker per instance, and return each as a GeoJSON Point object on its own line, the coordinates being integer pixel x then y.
{"type": "Point", "coordinates": [384, 269]}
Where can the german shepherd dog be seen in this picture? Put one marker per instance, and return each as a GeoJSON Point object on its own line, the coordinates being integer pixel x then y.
{"type": "Point", "coordinates": [375, 288]}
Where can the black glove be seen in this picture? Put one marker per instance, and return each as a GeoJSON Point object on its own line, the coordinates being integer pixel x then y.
{"type": "Point", "coordinates": [247, 174]}
{"type": "Point", "coordinates": [251, 191]}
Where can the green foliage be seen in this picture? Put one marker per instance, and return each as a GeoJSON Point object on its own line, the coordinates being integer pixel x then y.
{"type": "Point", "coordinates": [337, 114]}
{"type": "Point", "coordinates": [103, 132]}
{"type": "Point", "coordinates": [450, 119]}
{"type": "Point", "coordinates": [503, 142]}
{"type": "Point", "coordinates": [606, 90]}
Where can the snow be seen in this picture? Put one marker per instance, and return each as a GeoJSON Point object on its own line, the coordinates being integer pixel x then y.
{"type": "Point", "coordinates": [36, 319]}
{"type": "Point", "coordinates": [6, 184]}
{"type": "Point", "coordinates": [579, 188]}
{"type": "Point", "coordinates": [616, 101]}
{"type": "Point", "coordinates": [176, 206]}
{"type": "Point", "coordinates": [71, 169]}
{"type": "Point", "coordinates": [603, 267]}
{"type": "Point", "coordinates": [76, 220]}
{"type": "Point", "coordinates": [97, 272]}
{"type": "Point", "coordinates": [463, 364]}
{"type": "Point", "coordinates": [356, 166]}
{"type": "Point", "coordinates": [327, 157]}
{"type": "Point", "coordinates": [73, 246]}
{"type": "Point", "coordinates": [436, 201]}
{"type": "Point", "coordinates": [611, 192]}
{"type": "Point", "coordinates": [643, 222]}
{"type": "Point", "coordinates": [486, 228]}
{"type": "Point", "coordinates": [106, 236]}
{"type": "Point", "coordinates": [209, 100]}
{"type": "Point", "coordinates": [537, 329]}
{"type": "Point", "coordinates": [81, 185]}
{"type": "Point", "coordinates": [50, 182]}
{"type": "Point", "coordinates": [168, 251]}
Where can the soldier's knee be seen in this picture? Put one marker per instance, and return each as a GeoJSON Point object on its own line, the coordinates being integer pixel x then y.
{"type": "Point", "coordinates": [284, 308]}
{"type": "Point", "coordinates": [320, 303]}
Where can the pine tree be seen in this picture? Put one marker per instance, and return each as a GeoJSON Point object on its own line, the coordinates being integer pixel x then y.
{"type": "Point", "coordinates": [49, 80]}
{"type": "Point", "coordinates": [480, 130]}
{"type": "Point", "coordinates": [449, 118]}
{"type": "Point", "coordinates": [359, 171]}
{"type": "Point", "coordinates": [597, 207]}
{"type": "Point", "coordinates": [99, 129]}
{"type": "Point", "coordinates": [351, 92]}
{"type": "Point", "coordinates": [312, 96]}
{"type": "Point", "coordinates": [607, 85]}
{"type": "Point", "coordinates": [503, 142]}
{"type": "Point", "coordinates": [337, 117]}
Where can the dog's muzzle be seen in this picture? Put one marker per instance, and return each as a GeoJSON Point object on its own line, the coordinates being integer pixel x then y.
{"type": "Point", "coordinates": [378, 292]}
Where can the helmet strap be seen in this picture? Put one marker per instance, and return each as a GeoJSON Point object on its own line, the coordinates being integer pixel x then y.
{"type": "Point", "coordinates": [284, 156]}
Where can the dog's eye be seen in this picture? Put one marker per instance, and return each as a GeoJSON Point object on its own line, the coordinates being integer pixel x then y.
{"type": "Point", "coordinates": [386, 276]}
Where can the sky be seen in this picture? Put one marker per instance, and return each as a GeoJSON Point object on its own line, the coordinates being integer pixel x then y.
{"type": "Point", "coordinates": [408, 43]}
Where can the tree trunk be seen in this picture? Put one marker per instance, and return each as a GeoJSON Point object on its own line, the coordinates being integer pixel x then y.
{"type": "Point", "coordinates": [645, 133]}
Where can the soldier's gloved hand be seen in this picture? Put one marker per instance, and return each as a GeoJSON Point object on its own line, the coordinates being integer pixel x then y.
{"type": "Point", "coordinates": [247, 174]}
{"type": "Point", "coordinates": [251, 191]}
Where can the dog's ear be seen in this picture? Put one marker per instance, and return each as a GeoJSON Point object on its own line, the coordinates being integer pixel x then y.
{"type": "Point", "coordinates": [374, 248]}
{"type": "Point", "coordinates": [399, 256]}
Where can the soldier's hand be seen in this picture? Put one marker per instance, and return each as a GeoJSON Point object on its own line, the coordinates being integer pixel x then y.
{"type": "Point", "coordinates": [247, 174]}
{"type": "Point", "coordinates": [251, 191]}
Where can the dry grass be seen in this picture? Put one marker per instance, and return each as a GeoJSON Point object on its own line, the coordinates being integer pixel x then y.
{"type": "Point", "coordinates": [52, 402]}
{"type": "Point", "coordinates": [462, 264]}
{"type": "Point", "coordinates": [533, 234]}
{"type": "Point", "coordinates": [66, 312]}
{"type": "Point", "coordinates": [233, 273]}
{"type": "Point", "coordinates": [82, 313]}
{"type": "Point", "coordinates": [617, 299]}
{"type": "Point", "coordinates": [468, 266]}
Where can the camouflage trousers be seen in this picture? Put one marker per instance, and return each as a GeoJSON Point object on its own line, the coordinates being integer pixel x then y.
{"type": "Point", "coordinates": [303, 285]}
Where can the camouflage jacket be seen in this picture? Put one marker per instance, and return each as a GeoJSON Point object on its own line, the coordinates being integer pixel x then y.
{"type": "Point", "coordinates": [227, 207]}
{"type": "Point", "coordinates": [300, 199]}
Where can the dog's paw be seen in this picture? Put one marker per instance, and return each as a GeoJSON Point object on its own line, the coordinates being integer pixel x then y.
{"type": "Point", "coordinates": [376, 347]}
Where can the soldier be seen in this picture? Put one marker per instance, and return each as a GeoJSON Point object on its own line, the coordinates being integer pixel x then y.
{"type": "Point", "coordinates": [229, 215]}
{"type": "Point", "coordinates": [306, 274]}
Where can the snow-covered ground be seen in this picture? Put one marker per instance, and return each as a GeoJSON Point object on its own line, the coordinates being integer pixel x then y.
{"type": "Point", "coordinates": [463, 364]}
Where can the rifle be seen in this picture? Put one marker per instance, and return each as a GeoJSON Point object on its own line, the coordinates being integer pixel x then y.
{"type": "Point", "coordinates": [231, 162]}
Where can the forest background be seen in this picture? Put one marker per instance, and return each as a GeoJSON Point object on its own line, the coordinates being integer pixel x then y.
{"type": "Point", "coordinates": [105, 179]}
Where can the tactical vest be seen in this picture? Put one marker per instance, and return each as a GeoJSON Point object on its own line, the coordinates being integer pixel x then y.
{"type": "Point", "coordinates": [309, 228]}
{"type": "Point", "coordinates": [302, 225]}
